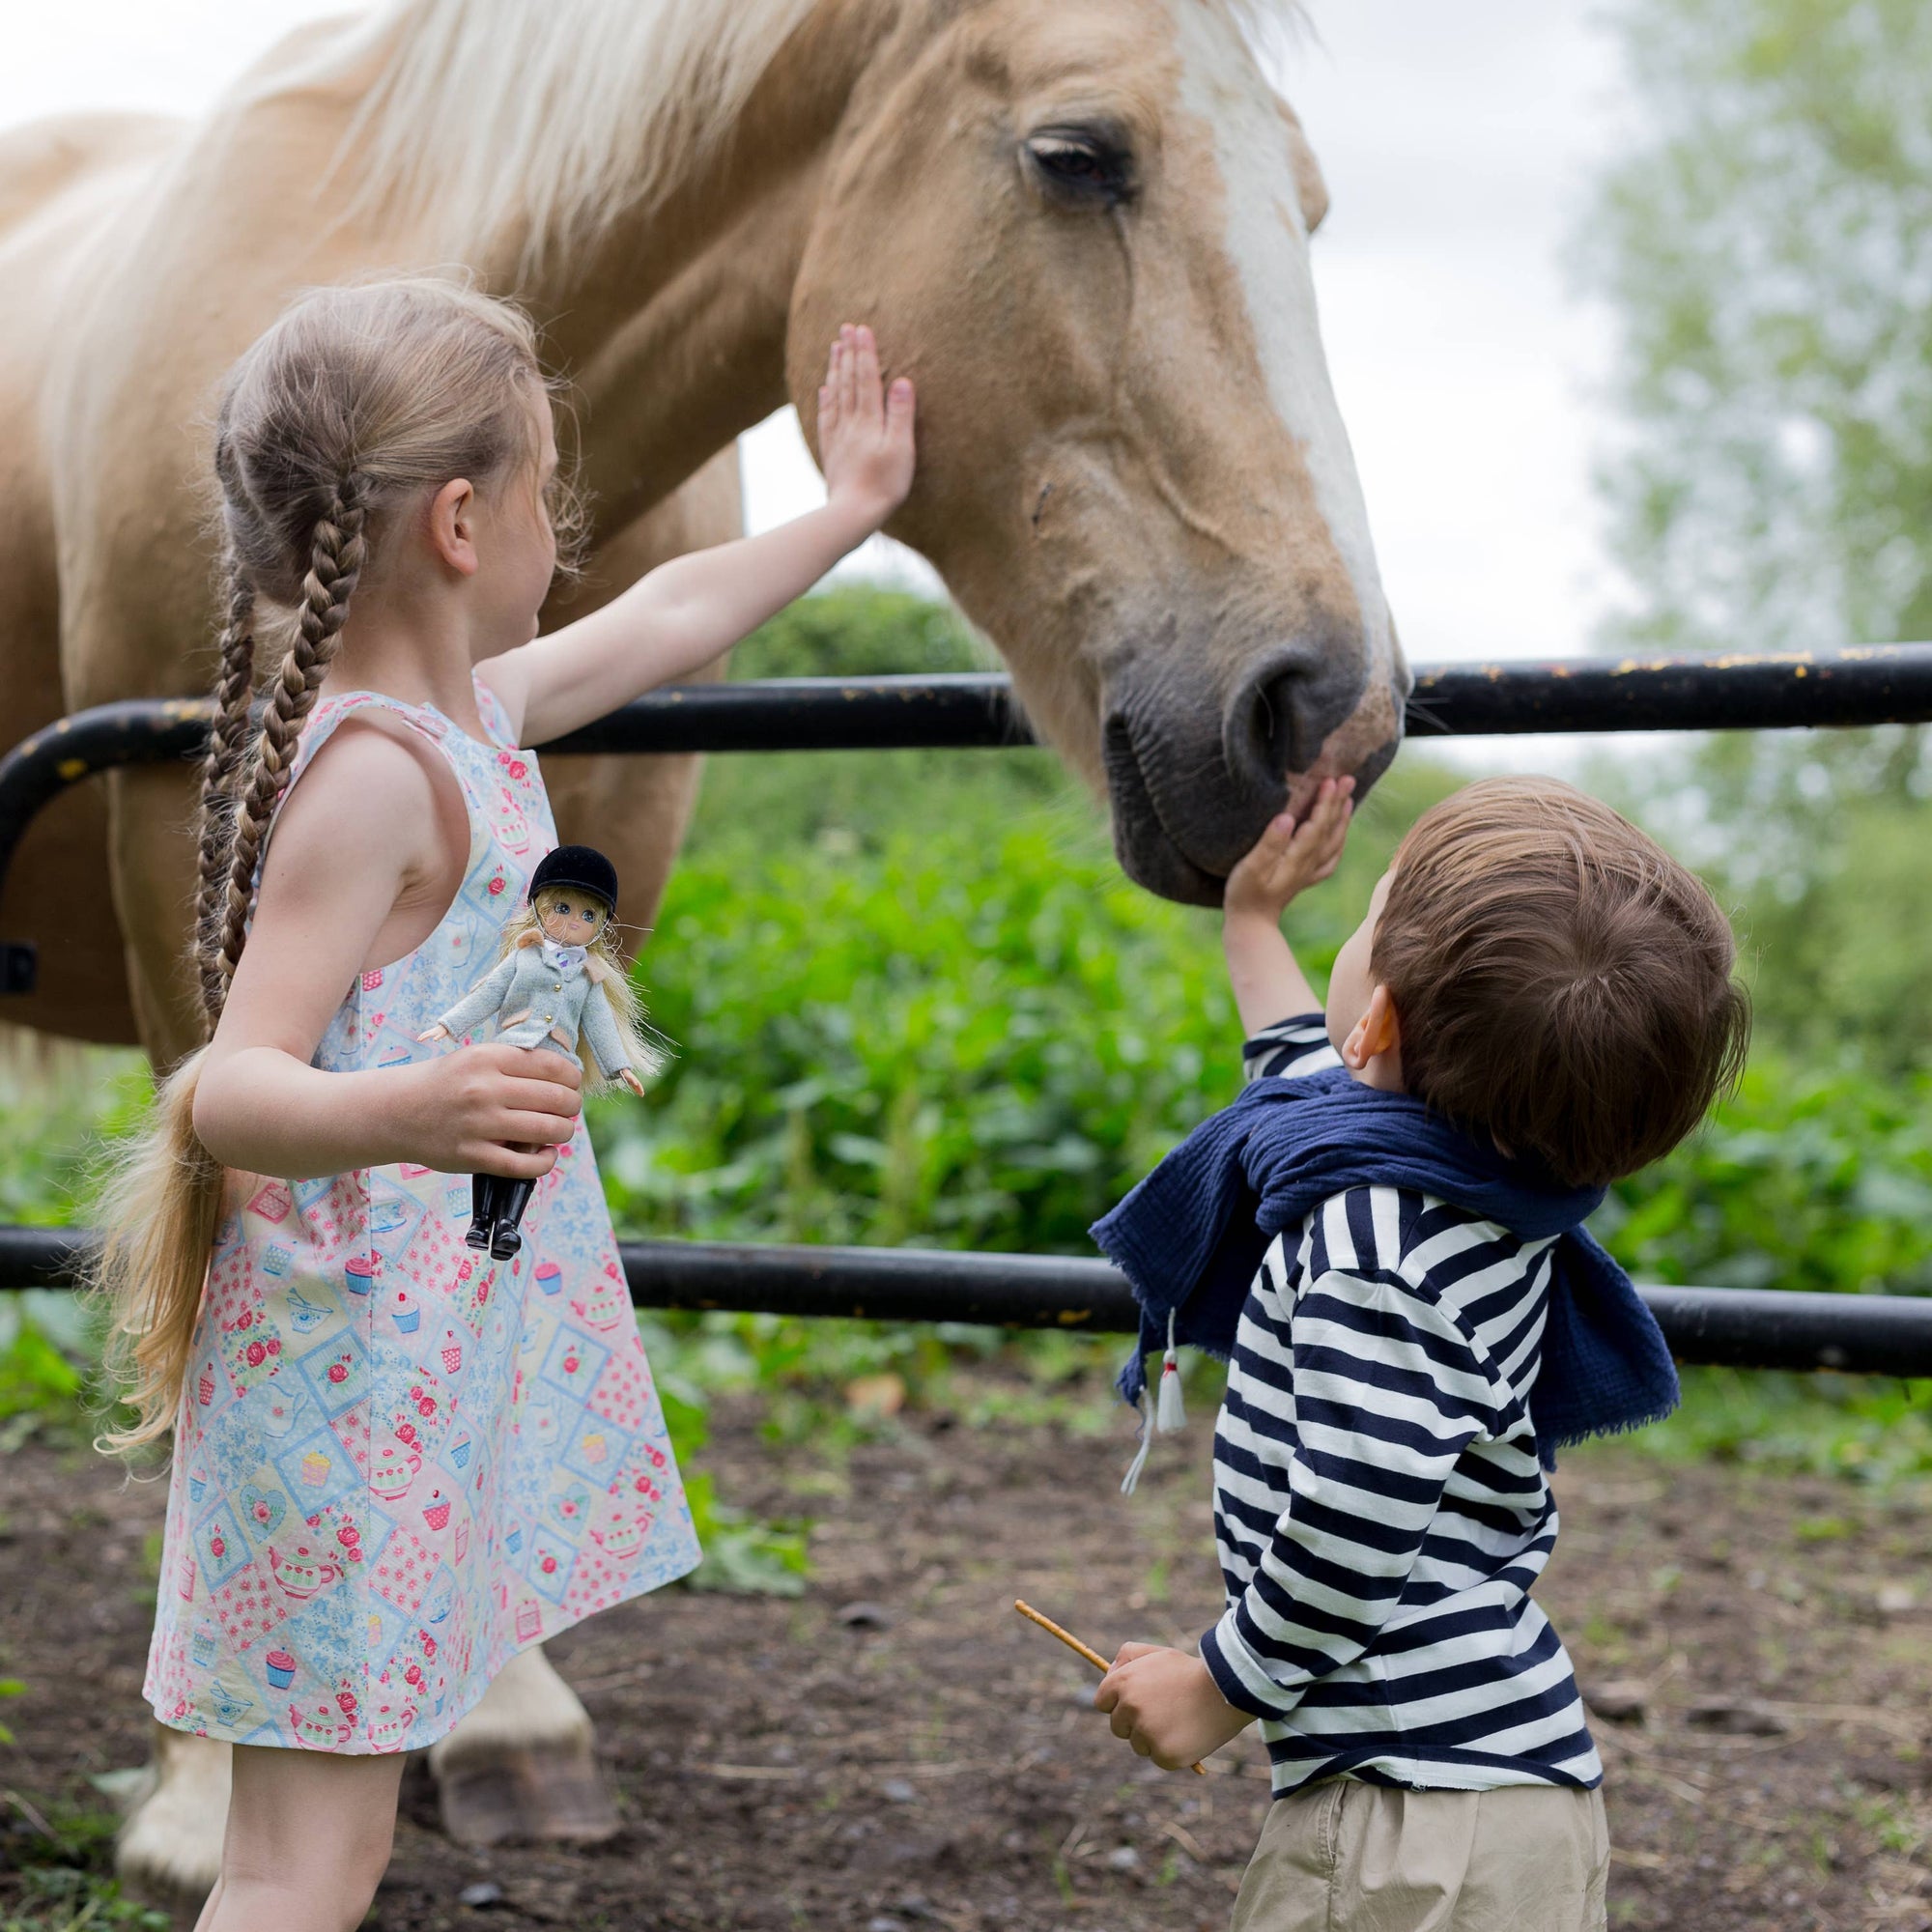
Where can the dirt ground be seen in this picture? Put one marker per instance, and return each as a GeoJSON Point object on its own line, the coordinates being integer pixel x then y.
{"type": "Point", "coordinates": [897, 1751]}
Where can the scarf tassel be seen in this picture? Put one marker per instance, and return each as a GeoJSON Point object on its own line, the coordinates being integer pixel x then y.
{"type": "Point", "coordinates": [1170, 1412]}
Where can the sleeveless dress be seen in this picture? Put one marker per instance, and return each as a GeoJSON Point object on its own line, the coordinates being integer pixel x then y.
{"type": "Point", "coordinates": [397, 1463]}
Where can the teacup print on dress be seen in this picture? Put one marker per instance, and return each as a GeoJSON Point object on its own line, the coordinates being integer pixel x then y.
{"type": "Point", "coordinates": [398, 1461]}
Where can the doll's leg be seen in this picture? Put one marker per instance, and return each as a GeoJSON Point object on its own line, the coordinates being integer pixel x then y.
{"type": "Point", "coordinates": [514, 1197]}
{"type": "Point", "coordinates": [482, 1210]}
{"type": "Point", "coordinates": [308, 1838]}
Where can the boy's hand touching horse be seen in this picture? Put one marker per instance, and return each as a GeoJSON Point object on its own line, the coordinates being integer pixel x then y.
{"type": "Point", "coordinates": [1289, 857]}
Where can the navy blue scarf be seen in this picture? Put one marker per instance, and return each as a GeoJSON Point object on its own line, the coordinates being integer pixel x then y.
{"type": "Point", "coordinates": [1191, 1236]}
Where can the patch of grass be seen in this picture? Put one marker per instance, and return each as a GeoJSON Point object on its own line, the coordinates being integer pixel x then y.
{"type": "Point", "coordinates": [61, 1856]}
{"type": "Point", "coordinates": [1869, 1430]}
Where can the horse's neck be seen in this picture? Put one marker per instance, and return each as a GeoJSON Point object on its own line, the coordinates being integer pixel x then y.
{"type": "Point", "coordinates": [674, 325]}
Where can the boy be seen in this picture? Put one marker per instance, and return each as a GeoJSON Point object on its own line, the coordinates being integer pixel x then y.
{"type": "Point", "coordinates": [1384, 1236]}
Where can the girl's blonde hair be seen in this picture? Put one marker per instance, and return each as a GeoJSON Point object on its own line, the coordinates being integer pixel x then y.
{"type": "Point", "coordinates": [355, 401]}
{"type": "Point", "coordinates": [610, 972]}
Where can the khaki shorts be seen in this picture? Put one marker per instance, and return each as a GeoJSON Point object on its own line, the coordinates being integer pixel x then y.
{"type": "Point", "coordinates": [1347, 1857]}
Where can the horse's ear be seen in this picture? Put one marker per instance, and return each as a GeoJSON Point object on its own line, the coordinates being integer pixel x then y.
{"type": "Point", "coordinates": [1310, 188]}
{"type": "Point", "coordinates": [533, 936]}
{"type": "Point", "coordinates": [598, 969]}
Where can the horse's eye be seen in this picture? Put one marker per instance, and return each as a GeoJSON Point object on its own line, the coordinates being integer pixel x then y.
{"type": "Point", "coordinates": [1083, 162]}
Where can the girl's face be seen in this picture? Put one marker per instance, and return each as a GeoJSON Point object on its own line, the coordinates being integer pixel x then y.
{"type": "Point", "coordinates": [569, 917]}
{"type": "Point", "coordinates": [517, 548]}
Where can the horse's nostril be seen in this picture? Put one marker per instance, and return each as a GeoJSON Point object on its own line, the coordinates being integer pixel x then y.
{"type": "Point", "coordinates": [1286, 709]}
{"type": "Point", "coordinates": [1279, 725]}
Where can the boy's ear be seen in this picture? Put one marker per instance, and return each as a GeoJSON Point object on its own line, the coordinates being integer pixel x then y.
{"type": "Point", "coordinates": [1379, 1031]}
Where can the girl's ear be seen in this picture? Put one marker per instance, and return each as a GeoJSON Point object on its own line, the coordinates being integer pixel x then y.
{"type": "Point", "coordinates": [452, 526]}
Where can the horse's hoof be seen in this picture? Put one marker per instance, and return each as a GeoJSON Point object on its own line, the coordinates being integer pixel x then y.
{"type": "Point", "coordinates": [170, 1845]}
{"type": "Point", "coordinates": [535, 1791]}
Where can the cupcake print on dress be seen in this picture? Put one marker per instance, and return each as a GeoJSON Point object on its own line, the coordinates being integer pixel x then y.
{"type": "Point", "coordinates": [359, 1272]}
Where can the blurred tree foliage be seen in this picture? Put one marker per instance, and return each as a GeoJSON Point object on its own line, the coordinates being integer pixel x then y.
{"type": "Point", "coordinates": [1766, 243]}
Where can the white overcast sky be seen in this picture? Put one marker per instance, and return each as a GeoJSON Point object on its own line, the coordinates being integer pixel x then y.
{"type": "Point", "coordinates": [1457, 142]}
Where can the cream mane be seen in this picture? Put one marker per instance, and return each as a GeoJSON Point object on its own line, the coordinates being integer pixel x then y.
{"type": "Point", "coordinates": [552, 119]}
{"type": "Point", "coordinates": [547, 118]}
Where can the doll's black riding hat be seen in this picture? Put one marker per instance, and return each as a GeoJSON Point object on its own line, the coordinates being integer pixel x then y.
{"type": "Point", "coordinates": [579, 866]}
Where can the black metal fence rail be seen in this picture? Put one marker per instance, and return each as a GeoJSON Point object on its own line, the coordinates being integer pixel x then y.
{"type": "Point", "coordinates": [1757, 1329]}
{"type": "Point", "coordinates": [1877, 684]}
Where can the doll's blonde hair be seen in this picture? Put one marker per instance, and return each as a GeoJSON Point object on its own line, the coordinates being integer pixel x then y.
{"type": "Point", "coordinates": [355, 401]}
{"type": "Point", "coordinates": [610, 974]}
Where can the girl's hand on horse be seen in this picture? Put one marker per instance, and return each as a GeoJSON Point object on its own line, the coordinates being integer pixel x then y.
{"type": "Point", "coordinates": [1290, 857]}
{"type": "Point", "coordinates": [685, 612]}
{"type": "Point", "coordinates": [493, 1109]}
{"type": "Point", "coordinates": [865, 429]}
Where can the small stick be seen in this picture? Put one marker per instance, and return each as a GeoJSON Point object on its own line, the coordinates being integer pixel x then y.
{"type": "Point", "coordinates": [1072, 1642]}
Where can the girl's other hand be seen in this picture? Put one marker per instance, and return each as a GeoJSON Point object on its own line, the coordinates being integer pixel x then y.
{"type": "Point", "coordinates": [496, 1109]}
{"type": "Point", "coordinates": [1289, 857]}
{"type": "Point", "coordinates": [865, 429]}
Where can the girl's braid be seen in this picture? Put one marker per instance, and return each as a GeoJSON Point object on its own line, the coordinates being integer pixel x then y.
{"type": "Point", "coordinates": [235, 687]}
{"type": "Point", "coordinates": [335, 560]}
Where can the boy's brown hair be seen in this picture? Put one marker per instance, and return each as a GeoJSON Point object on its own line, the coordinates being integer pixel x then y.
{"type": "Point", "coordinates": [1563, 984]}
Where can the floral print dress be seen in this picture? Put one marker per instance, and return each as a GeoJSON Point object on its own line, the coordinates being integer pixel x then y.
{"type": "Point", "coordinates": [397, 1462]}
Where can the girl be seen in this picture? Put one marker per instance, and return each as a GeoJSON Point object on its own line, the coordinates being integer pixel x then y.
{"type": "Point", "coordinates": [397, 1462]}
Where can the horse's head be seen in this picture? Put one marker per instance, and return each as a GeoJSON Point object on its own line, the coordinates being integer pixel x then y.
{"type": "Point", "coordinates": [1083, 229]}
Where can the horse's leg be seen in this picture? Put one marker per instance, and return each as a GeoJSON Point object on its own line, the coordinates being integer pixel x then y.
{"type": "Point", "coordinates": [521, 1765]}
{"type": "Point", "coordinates": [170, 1843]}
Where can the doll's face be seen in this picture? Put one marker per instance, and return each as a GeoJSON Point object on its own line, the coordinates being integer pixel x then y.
{"type": "Point", "coordinates": [569, 917]}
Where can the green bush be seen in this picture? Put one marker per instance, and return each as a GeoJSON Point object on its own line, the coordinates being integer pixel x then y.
{"type": "Point", "coordinates": [1806, 1179]}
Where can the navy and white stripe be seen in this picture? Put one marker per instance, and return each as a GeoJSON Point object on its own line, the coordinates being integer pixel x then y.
{"type": "Point", "coordinates": [1378, 1506]}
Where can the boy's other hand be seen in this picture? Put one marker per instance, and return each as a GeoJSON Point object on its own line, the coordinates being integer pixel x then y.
{"type": "Point", "coordinates": [865, 429]}
{"type": "Point", "coordinates": [1165, 1704]}
{"type": "Point", "coordinates": [1289, 857]}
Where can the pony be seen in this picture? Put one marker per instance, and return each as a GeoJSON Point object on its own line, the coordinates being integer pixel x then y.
{"type": "Point", "coordinates": [1083, 229]}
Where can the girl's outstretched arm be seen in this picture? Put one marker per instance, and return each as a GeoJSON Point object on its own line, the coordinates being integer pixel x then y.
{"type": "Point", "coordinates": [687, 611]}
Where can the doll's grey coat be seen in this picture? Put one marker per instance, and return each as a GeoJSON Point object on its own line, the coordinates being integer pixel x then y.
{"type": "Point", "coordinates": [555, 1002]}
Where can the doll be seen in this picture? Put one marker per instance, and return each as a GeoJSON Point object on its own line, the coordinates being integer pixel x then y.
{"type": "Point", "coordinates": [560, 986]}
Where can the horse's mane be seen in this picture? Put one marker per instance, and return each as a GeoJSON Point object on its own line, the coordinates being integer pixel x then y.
{"type": "Point", "coordinates": [553, 115]}
{"type": "Point", "coordinates": [558, 116]}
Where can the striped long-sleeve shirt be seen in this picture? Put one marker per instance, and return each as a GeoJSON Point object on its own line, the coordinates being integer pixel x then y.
{"type": "Point", "coordinates": [1378, 1506]}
